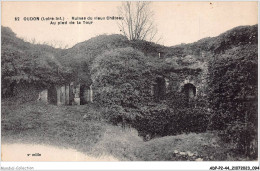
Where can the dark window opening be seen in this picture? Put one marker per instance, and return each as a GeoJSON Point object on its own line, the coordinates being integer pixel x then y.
{"type": "Point", "coordinates": [52, 95]}
{"type": "Point", "coordinates": [159, 89]}
{"type": "Point", "coordinates": [83, 94]}
{"type": "Point", "coordinates": [189, 91]}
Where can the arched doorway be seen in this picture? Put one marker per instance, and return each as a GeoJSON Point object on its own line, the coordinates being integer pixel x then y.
{"type": "Point", "coordinates": [189, 91]}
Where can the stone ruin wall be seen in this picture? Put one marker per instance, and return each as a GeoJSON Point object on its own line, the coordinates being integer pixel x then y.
{"type": "Point", "coordinates": [67, 94]}
{"type": "Point", "coordinates": [175, 81]}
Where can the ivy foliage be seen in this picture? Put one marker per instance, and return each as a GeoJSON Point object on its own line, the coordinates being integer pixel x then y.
{"type": "Point", "coordinates": [233, 85]}
{"type": "Point", "coordinates": [26, 63]}
{"type": "Point", "coordinates": [123, 71]}
{"type": "Point", "coordinates": [233, 96]}
{"type": "Point", "coordinates": [121, 77]}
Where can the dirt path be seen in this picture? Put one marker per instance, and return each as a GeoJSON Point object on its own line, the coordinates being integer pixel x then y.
{"type": "Point", "coordinates": [30, 152]}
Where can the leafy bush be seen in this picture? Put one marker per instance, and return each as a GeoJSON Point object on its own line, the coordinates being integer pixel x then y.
{"type": "Point", "coordinates": [242, 136]}
{"type": "Point", "coordinates": [160, 120]}
{"type": "Point", "coordinates": [176, 99]}
{"type": "Point", "coordinates": [121, 77]}
{"type": "Point", "coordinates": [115, 114]}
{"type": "Point", "coordinates": [233, 91]}
{"type": "Point", "coordinates": [189, 120]}
{"type": "Point", "coordinates": [153, 120]}
{"type": "Point", "coordinates": [118, 115]}
{"type": "Point", "coordinates": [233, 86]}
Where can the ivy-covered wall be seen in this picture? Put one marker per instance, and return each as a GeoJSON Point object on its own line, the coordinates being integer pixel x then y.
{"type": "Point", "coordinates": [176, 80]}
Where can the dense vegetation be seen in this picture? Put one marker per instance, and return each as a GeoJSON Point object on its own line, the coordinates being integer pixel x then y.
{"type": "Point", "coordinates": [25, 63]}
{"type": "Point", "coordinates": [122, 73]}
{"type": "Point", "coordinates": [82, 128]}
{"type": "Point", "coordinates": [233, 97]}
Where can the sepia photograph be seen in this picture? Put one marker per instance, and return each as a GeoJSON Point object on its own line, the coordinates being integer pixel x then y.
{"type": "Point", "coordinates": [129, 81]}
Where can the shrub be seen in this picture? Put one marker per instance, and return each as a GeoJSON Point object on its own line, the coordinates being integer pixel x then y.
{"type": "Point", "coordinates": [233, 86]}
{"type": "Point", "coordinates": [114, 114]}
{"type": "Point", "coordinates": [120, 77]}
{"type": "Point", "coordinates": [233, 96]}
{"type": "Point", "coordinates": [118, 115]}
{"type": "Point", "coordinates": [176, 100]}
{"type": "Point", "coordinates": [189, 120]}
{"type": "Point", "coordinates": [122, 82]}
{"type": "Point", "coordinates": [243, 137]}
{"type": "Point", "coordinates": [160, 120]}
{"type": "Point", "coordinates": [153, 120]}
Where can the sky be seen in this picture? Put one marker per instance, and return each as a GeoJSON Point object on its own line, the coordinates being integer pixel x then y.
{"type": "Point", "coordinates": [177, 22]}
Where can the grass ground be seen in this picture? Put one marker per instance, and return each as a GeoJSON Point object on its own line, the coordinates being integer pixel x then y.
{"type": "Point", "coordinates": [81, 128]}
{"type": "Point", "coordinates": [49, 124]}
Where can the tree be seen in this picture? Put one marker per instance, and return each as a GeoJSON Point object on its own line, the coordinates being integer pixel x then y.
{"type": "Point", "coordinates": [137, 23]}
